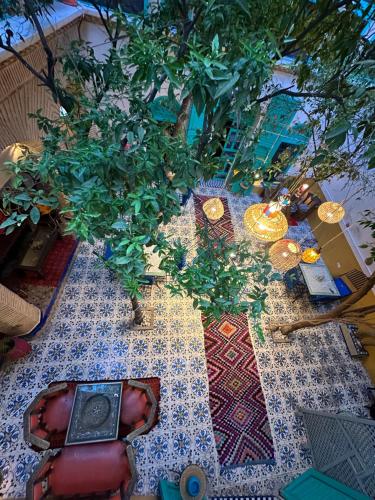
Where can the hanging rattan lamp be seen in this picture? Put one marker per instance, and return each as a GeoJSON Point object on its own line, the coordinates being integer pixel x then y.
{"type": "Point", "coordinates": [285, 254]}
{"type": "Point", "coordinates": [310, 255]}
{"type": "Point", "coordinates": [265, 228]}
{"type": "Point", "coordinates": [213, 208]}
{"type": "Point", "coordinates": [331, 212]}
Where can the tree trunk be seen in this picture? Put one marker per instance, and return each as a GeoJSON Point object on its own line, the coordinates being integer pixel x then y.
{"type": "Point", "coordinates": [138, 314]}
{"type": "Point", "coordinates": [341, 312]}
{"type": "Point", "coordinates": [182, 116]}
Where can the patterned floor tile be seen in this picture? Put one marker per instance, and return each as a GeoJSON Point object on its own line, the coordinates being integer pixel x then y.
{"type": "Point", "coordinates": [87, 337]}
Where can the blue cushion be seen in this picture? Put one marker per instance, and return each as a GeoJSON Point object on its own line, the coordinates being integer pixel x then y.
{"type": "Point", "coordinates": [107, 251]}
{"type": "Point", "coordinates": [342, 287]}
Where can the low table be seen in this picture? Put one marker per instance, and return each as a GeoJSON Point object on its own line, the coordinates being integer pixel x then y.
{"type": "Point", "coordinates": [319, 280]}
{"type": "Point", "coordinates": [40, 245]}
{"type": "Point", "coordinates": [95, 413]}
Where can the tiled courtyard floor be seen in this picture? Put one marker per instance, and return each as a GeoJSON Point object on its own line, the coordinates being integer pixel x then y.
{"type": "Point", "coordinates": [87, 338]}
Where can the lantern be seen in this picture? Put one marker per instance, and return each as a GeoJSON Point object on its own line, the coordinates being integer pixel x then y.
{"type": "Point", "coordinates": [331, 212]}
{"type": "Point", "coordinates": [310, 255]}
{"type": "Point", "coordinates": [285, 254]}
{"type": "Point", "coordinates": [213, 208]}
{"type": "Point", "coordinates": [262, 227]}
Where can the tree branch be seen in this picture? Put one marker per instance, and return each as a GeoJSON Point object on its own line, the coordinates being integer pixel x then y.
{"type": "Point", "coordinates": [22, 60]}
{"type": "Point", "coordinates": [188, 28]}
{"type": "Point", "coordinates": [286, 91]}
{"type": "Point", "coordinates": [315, 23]}
{"type": "Point", "coordinates": [104, 22]}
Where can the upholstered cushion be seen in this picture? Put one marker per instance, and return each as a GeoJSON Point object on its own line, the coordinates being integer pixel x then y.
{"type": "Point", "coordinates": [57, 414]}
{"type": "Point", "coordinates": [90, 468]}
{"type": "Point", "coordinates": [133, 406]}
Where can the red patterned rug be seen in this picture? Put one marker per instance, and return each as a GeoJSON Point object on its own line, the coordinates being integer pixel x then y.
{"type": "Point", "coordinates": [238, 410]}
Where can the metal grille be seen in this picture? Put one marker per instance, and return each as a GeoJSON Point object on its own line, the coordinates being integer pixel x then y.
{"type": "Point", "coordinates": [343, 447]}
{"type": "Point", "coordinates": [355, 278]}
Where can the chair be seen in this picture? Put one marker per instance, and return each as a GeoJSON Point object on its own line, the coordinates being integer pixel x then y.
{"type": "Point", "coordinates": [46, 419]}
{"type": "Point", "coordinates": [139, 406]}
{"type": "Point", "coordinates": [294, 283]}
{"type": "Point", "coordinates": [86, 471]}
{"type": "Point", "coordinates": [305, 207]}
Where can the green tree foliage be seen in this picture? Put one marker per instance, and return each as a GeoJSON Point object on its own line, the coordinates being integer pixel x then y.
{"type": "Point", "coordinates": [118, 168]}
{"type": "Point", "coordinates": [217, 278]}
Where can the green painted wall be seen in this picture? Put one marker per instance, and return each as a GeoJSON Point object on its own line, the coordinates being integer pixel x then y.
{"type": "Point", "coordinates": [275, 130]}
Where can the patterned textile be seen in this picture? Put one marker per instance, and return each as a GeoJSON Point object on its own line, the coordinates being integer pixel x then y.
{"type": "Point", "coordinates": [221, 227]}
{"type": "Point", "coordinates": [239, 415]}
{"type": "Point", "coordinates": [238, 410]}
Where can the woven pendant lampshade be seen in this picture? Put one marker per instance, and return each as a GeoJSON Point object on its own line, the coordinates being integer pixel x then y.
{"type": "Point", "coordinates": [262, 227]}
{"type": "Point", "coordinates": [285, 254]}
{"type": "Point", "coordinates": [331, 212]}
{"type": "Point", "coordinates": [213, 208]}
{"type": "Point", "coordinates": [310, 255]}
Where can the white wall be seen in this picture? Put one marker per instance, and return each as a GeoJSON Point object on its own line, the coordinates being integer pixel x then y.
{"type": "Point", "coordinates": [338, 190]}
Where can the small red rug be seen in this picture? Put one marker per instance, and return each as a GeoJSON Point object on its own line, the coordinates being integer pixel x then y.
{"type": "Point", "coordinates": [238, 410]}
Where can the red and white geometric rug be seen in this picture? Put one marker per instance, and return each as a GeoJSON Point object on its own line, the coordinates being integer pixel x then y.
{"type": "Point", "coordinates": [238, 410]}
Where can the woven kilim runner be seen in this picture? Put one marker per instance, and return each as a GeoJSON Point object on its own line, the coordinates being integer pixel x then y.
{"type": "Point", "coordinates": [239, 415]}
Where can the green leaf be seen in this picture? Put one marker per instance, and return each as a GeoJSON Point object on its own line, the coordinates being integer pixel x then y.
{"type": "Point", "coordinates": [7, 222]}
{"type": "Point", "coordinates": [137, 206]}
{"type": "Point", "coordinates": [215, 44]}
{"type": "Point", "coordinates": [34, 215]}
{"type": "Point", "coordinates": [340, 128]}
{"type": "Point", "coordinates": [22, 197]}
{"type": "Point", "coordinates": [122, 260]}
{"type": "Point", "coordinates": [141, 133]}
{"type": "Point", "coordinates": [120, 224]}
{"type": "Point", "coordinates": [243, 6]}
{"type": "Point", "coordinates": [225, 87]}
{"type": "Point", "coordinates": [170, 75]}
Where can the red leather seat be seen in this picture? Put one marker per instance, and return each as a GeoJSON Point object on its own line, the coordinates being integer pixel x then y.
{"type": "Point", "coordinates": [57, 413]}
{"type": "Point", "coordinates": [134, 406]}
{"type": "Point", "coordinates": [85, 471]}
{"type": "Point", "coordinates": [90, 468]}
{"type": "Point", "coordinates": [46, 419]}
